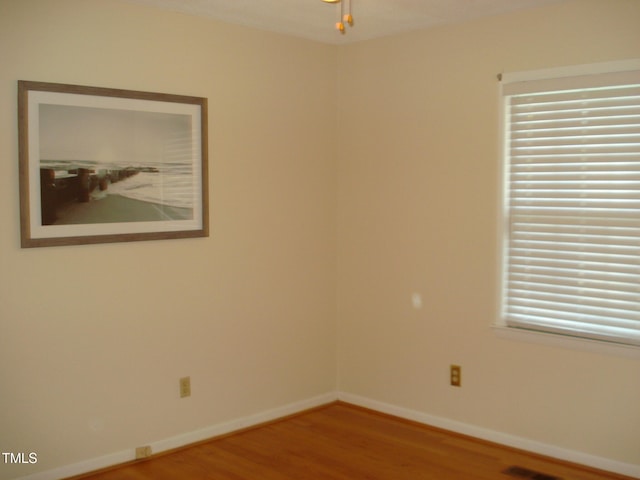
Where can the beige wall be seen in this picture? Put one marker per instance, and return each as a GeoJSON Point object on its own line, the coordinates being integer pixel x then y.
{"type": "Point", "coordinates": [94, 338]}
{"type": "Point", "coordinates": [418, 201]}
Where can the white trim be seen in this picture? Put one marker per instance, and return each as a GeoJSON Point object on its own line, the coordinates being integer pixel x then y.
{"type": "Point", "coordinates": [184, 439]}
{"type": "Point", "coordinates": [571, 71]}
{"type": "Point", "coordinates": [564, 341]}
{"type": "Point", "coordinates": [502, 218]}
{"type": "Point", "coordinates": [177, 441]}
{"type": "Point", "coordinates": [528, 445]}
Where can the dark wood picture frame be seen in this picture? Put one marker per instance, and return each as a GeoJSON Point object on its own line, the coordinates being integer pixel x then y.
{"type": "Point", "coordinates": [102, 165]}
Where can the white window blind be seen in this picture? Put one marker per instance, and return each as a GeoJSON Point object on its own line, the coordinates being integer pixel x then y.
{"type": "Point", "coordinates": [572, 206]}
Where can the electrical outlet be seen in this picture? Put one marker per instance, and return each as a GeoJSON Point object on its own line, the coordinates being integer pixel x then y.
{"type": "Point", "coordinates": [456, 375]}
{"type": "Point", "coordinates": [185, 387]}
{"type": "Point", "coordinates": [143, 452]}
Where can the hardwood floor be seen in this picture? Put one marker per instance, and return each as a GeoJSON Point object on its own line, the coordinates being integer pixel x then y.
{"type": "Point", "coordinates": [344, 442]}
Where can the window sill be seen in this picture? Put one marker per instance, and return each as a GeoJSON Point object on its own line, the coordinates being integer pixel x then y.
{"type": "Point", "coordinates": [555, 340]}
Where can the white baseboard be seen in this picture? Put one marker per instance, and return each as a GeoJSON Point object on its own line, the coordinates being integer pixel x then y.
{"type": "Point", "coordinates": [240, 423]}
{"type": "Point", "coordinates": [581, 458]}
{"type": "Point", "coordinates": [177, 441]}
{"type": "Point", "coordinates": [184, 439]}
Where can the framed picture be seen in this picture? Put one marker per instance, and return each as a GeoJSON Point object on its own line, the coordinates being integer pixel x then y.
{"type": "Point", "coordinates": [102, 165]}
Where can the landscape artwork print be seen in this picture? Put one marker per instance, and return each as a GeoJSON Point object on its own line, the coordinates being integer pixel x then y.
{"type": "Point", "coordinates": [105, 165]}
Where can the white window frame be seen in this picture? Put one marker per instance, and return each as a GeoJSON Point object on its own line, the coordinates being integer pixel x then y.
{"type": "Point", "coordinates": [501, 327]}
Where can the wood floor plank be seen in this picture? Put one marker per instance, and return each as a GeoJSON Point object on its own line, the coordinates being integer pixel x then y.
{"type": "Point", "coordinates": [343, 442]}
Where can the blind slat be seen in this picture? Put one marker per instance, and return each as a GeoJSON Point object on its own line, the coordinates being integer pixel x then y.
{"type": "Point", "coordinates": [594, 290]}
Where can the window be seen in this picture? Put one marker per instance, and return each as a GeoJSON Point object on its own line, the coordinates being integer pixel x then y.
{"type": "Point", "coordinates": [572, 203]}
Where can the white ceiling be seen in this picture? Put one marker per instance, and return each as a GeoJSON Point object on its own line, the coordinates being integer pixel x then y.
{"type": "Point", "coordinates": [315, 19]}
